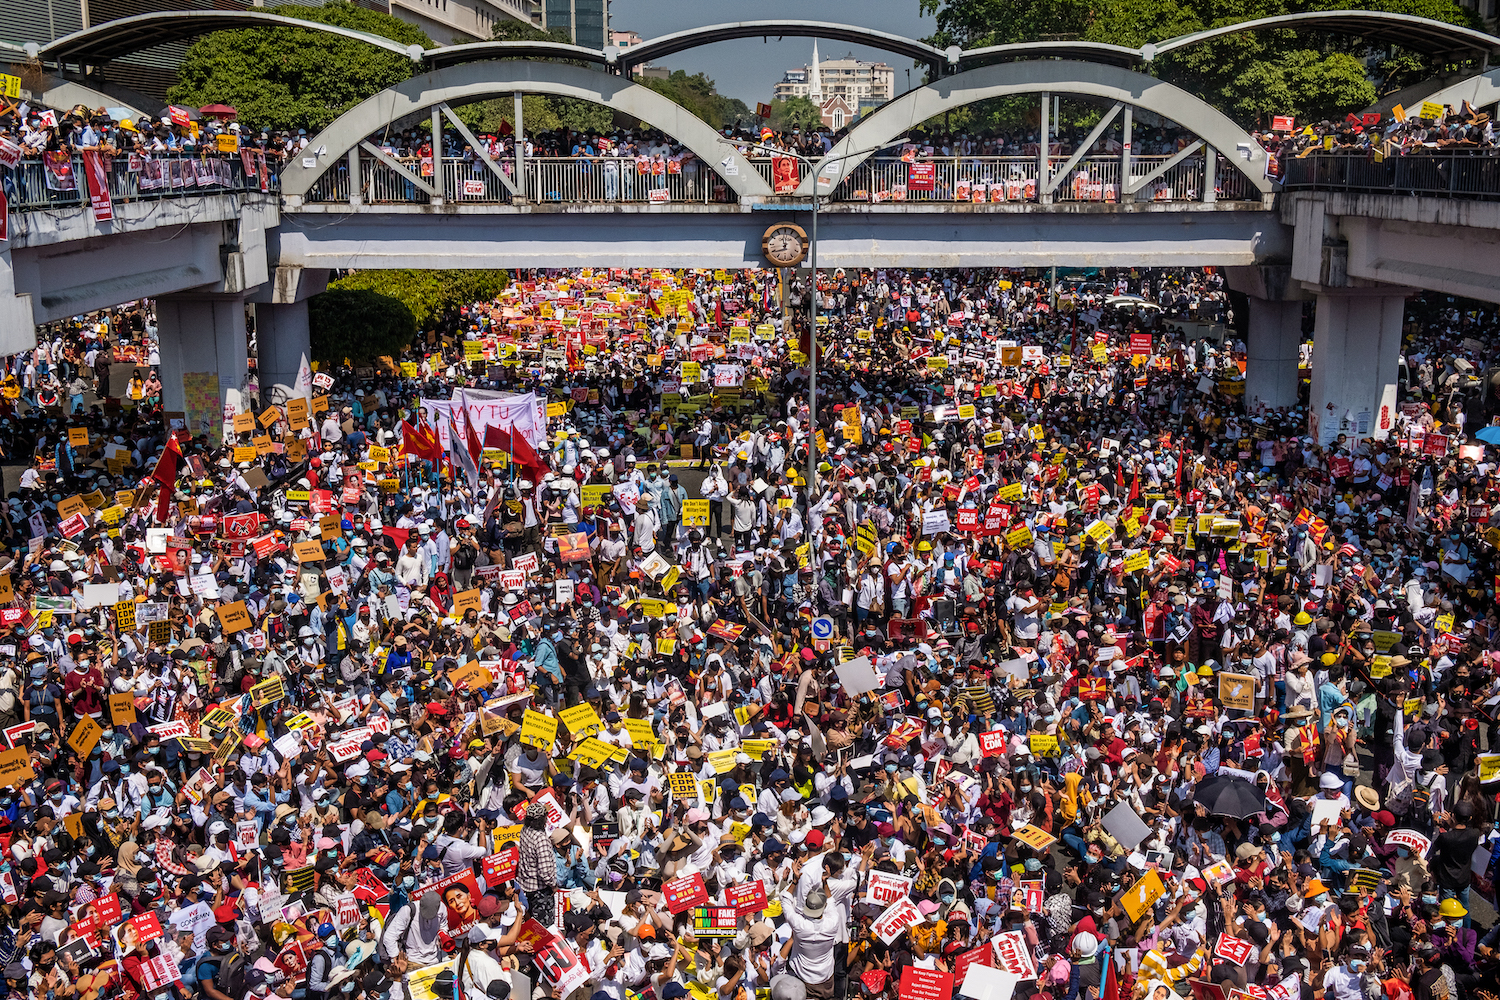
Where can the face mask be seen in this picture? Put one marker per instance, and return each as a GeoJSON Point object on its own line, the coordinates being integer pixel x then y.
{"type": "Point", "coordinates": [1025, 788]}
{"type": "Point", "coordinates": [1402, 852]}
{"type": "Point", "coordinates": [124, 769]}
{"type": "Point", "coordinates": [108, 733]}
{"type": "Point", "coordinates": [1438, 925]}
{"type": "Point", "coordinates": [1430, 900]}
{"type": "Point", "coordinates": [1321, 899]}
{"type": "Point", "coordinates": [1357, 965]}
{"type": "Point", "coordinates": [1093, 859]}
{"type": "Point", "coordinates": [112, 814]}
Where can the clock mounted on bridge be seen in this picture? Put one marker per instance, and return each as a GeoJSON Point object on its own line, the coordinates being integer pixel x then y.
{"type": "Point", "coordinates": [784, 244]}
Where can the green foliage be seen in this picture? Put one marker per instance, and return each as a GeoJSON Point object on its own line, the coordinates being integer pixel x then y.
{"type": "Point", "coordinates": [509, 30]}
{"type": "Point", "coordinates": [360, 324]}
{"type": "Point", "coordinates": [698, 94]}
{"type": "Point", "coordinates": [1249, 76]}
{"type": "Point", "coordinates": [291, 78]}
{"type": "Point", "coordinates": [431, 298]}
{"type": "Point", "coordinates": [793, 113]}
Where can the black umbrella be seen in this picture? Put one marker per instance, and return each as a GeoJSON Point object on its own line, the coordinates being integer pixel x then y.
{"type": "Point", "coordinates": [1224, 795]}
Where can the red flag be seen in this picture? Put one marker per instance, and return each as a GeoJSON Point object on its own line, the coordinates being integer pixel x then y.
{"type": "Point", "coordinates": [1135, 485]}
{"type": "Point", "coordinates": [1119, 479]}
{"type": "Point", "coordinates": [421, 441]}
{"type": "Point", "coordinates": [1111, 990]}
{"type": "Point", "coordinates": [497, 437]}
{"type": "Point", "coordinates": [166, 474]}
{"type": "Point", "coordinates": [167, 466]}
{"type": "Point", "coordinates": [525, 455]}
{"type": "Point", "coordinates": [471, 441]}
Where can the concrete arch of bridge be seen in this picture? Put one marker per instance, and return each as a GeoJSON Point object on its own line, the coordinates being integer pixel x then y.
{"type": "Point", "coordinates": [468, 82]}
{"type": "Point", "coordinates": [1110, 83]}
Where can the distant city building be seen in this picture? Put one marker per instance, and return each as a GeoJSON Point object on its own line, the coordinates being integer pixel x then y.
{"type": "Point", "coordinates": [586, 21]}
{"type": "Point", "coordinates": [625, 39]}
{"type": "Point", "coordinates": [861, 84]}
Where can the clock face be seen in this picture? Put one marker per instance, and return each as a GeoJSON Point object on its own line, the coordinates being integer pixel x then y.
{"type": "Point", "coordinates": [784, 245]}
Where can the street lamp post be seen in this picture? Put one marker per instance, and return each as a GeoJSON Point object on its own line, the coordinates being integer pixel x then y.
{"type": "Point", "coordinates": [812, 342]}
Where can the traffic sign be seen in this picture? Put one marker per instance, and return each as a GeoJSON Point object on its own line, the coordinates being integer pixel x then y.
{"type": "Point", "coordinates": [822, 627]}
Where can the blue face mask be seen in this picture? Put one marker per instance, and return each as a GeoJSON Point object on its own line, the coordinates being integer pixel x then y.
{"type": "Point", "coordinates": [1357, 965]}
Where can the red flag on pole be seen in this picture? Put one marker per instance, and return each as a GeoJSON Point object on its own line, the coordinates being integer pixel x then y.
{"type": "Point", "coordinates": [165, 473]}
{"type": "Point", "coordinates": [1135, 485]}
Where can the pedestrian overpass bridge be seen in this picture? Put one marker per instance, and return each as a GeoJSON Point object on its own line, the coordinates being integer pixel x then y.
{"type": "Point", "coordinates": [1357, 236]}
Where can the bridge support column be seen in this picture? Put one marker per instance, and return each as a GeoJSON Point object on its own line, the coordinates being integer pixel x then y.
{"type": "Point", "coordinates": [203, 355]}
{"type": "Point", "coordinates": [1356, 354]}
{"type": "Point", "coordinates": [17, 323]}
{"type": "Point", "coordinates": [281, 342]}
{"type": "Point", "coordinates": [1271, 348]}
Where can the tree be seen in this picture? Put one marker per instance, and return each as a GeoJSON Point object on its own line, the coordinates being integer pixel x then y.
{"type": "Point", "coordinates": [699, 94]}
{"type": "Point", "coordinates": [291, 78]}
{"type": "Point", "coordinates": [1249, 76]}
{"type": "Point", "coordinates": [359, 324]}
{"type": "Point", "coordinates": [794, 113]}
{"type": "Point", "coordinates": [432, 298]}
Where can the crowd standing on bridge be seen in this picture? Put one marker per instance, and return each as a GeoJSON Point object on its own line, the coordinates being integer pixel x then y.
{"type": "Point", "coordinates": [1058, 673]}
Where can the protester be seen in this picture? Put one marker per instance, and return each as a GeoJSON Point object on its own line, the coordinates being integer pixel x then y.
{"type": "Point", "coordinates": [550, 660]}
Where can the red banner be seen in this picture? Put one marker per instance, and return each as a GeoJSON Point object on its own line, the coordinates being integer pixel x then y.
{"type": "Point", "coordinates": [748, 897]}
{"type": "Point", "coordinates": [921, 177]}
{"type": "Point", "coordinates": [96, 175]}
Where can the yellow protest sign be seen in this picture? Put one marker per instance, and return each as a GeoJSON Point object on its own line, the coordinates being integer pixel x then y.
{"type": "Point", "coordinates": [538, 730]}
{"type": "Point", "coordinates": [1099, 531]}
{"type": "Point", "coordinates": [1138, 561]}
{"type": "Point", "coordinates": [1034, 838]}
{"type": "Point", "coordinates": [683, 784]}
{"type": "Point", "coordinates": [695, 514]}
{"type": "Point", "coordinates": [1018, 537]}
{"type": "Point", "coordinates": [1011, 492]}
{"type": "Point", "coordinates": [592, 753]}
{"type": "Point", "coordinates": [581, 720]}
{"type": "Point", "coordinates": [1042, 745]}
{"type": "Point", "coordinates": [1138, 898]}
{"type": "Point", "coordinates": [1237, 691]}
{"type": "Point", "coordinates": [640, 731]}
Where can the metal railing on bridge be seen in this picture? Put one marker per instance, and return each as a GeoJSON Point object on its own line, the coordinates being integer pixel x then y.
{"type": "Point", "coordinates": [1012, 179]}
{"type": "Point", "coordinates": [1461, 174]}
{"type": "Point", "coordinates": [33, 184]}
{"type": "Point", "coordinates": [621, 180]}
{"type": "Point", "coordinates": [548, 179]}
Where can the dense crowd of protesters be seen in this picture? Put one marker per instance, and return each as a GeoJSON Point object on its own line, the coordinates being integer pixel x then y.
{"type": "Point", "coordinates": [1054, 672]}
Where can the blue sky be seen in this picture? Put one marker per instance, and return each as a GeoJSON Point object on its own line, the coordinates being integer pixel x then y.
{"type": "Point", "coordinates": [749, 68]}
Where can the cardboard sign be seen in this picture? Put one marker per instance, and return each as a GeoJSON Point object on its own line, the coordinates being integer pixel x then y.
{"type": "Point", "coordinates": [1237, 691]}
{"type": "Point", "coordinates": [309, 551]}
{"type": "Point", "coordinates": [1232, 949]}
{"type": "Point", "coordinates": [78, 437]}
{"type": "Point", "coordinates": [924, 984]}
{"type": "Point", "coordinates": [500, 867]}
{"type": "Point", "coordinates": [1034, 838]}
{"type": "Point", "coordinates": [684, 892]}
{"type": "Point", "coordinates": [747, 897]}
{"type": "Point", "coordinates": [538, 730]}
{"type": "Point", "coordinates": [1413, 841]}
{"type": "Point", "coordinates": [886, 888]}
{"type": "Point", "coordinates": [234, 617]}
{"type": "Point", "coordinates": [268, 692]}
{"type": "Point", "coordinates": [573, 547]}
{"type": "Point", "coordinates": [1138, 898]}
{"type": "Point", "coordinates": [125, 616]}
{"type": "Point", "coordinates": [683, 784]}
{"type": "Point", "coordinates": [1013, 954]}
{"type": "Point", "coordinates": [296, 412]}
{"type": "Point", "coordinates": [581, 720]}
{"type": "Point", "coordinates": [84, 736]}
{"type": "Point", "coordinates": [471, 676]}
{"type": "Point", "coordinates": [895, 919]}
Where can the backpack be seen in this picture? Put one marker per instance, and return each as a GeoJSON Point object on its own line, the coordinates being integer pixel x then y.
{"type": "Point", "coordinates": [230, 979]}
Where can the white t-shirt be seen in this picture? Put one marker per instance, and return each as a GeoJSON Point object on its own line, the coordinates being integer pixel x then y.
{"type": "Point", "coordinates": [1026, 624]}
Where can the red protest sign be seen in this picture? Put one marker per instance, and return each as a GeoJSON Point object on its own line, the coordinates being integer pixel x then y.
{"type": "Point", "coordinates": [925, 984]}
{"type": "Point", "coordinates": [1140, 343]}
{"type": "Point", "coordinates": [921, 177]}
{"type": "Point", "coordinates": [498, 868]}
{"type": "Point", "coordinates": [1283, 123]}
{"type": "Point", "coordinates": [992, 744]}
{"type": "Point", "coordinates": [1013, 954]}
{"type": "Point", "coordinates": [1232, 949]}
{"type": "Point", "coordinates": [983, 955]}
{"type": "Point", "coordinates": [748, 897]}
{"type": "Point", "coordinates": [685, 892]}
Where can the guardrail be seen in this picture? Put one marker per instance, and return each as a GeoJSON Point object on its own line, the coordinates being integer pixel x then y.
{"type": "Point", "coordinates": [556, 179]}
{"type": "Point", "coordinates": [998, 179]}
{"type": "Point", "coordinates": [31, 186]}
{"type": "Point", "coordinates": [1461, 174]}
